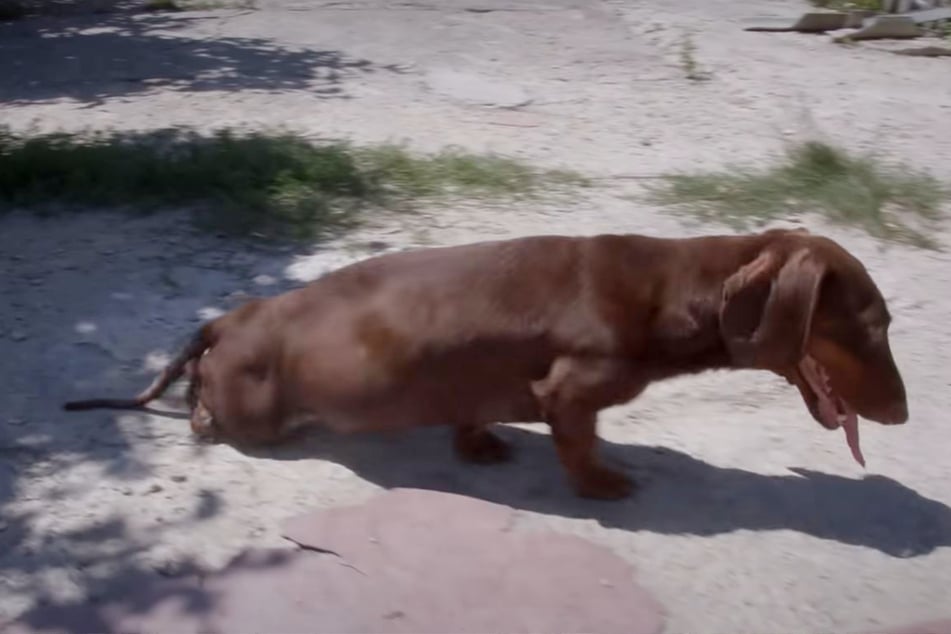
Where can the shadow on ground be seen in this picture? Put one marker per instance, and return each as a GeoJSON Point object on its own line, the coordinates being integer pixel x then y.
{"type": "Point", "coordinates": [142, 593]}
{"type": "Point", "coordinates": [88, 299]}
{"type": "Point", "coordinates": [679, 494]}
{"type": "Point", "coordinates": [93, 58]}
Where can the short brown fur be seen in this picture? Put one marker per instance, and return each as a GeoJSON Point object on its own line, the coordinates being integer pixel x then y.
{"type": "Point", "coordinates": [545, 328]}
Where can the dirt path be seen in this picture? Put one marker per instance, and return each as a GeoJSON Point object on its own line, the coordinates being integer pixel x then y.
{"type": "Point", "coordinates": [751, 517]}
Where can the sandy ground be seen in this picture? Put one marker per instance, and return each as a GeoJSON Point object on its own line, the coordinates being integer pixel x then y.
{"type": "Point", "coordinates": [751, 518]}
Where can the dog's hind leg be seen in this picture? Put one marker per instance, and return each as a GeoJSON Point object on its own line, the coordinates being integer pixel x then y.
{"type": "Point", "coordinates": [203, 424]}
{"type": "Point", "coordinates": [200, 418]}
{"type": "Point", "coordinates": [478, 445]}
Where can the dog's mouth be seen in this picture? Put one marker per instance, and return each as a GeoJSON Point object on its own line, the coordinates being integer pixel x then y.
{"type": "Point", "coordinates": [828, 408]}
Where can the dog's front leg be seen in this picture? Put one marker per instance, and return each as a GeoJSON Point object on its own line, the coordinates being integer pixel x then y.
{"type": "Point", "coordinates": [570, 397]}
{"type": "Point", "coordinates": [575, 438]}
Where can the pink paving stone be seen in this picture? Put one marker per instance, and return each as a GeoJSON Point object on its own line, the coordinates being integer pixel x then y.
{"type": "Point", "coordinates": [932, 627]}
{"type": "Point", "coordinates": [408, 561]}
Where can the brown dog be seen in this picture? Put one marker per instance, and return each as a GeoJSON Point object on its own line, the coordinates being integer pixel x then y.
{"type": "Point", "coordinates": [542, 328]}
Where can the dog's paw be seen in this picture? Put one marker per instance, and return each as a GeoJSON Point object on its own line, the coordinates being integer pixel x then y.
{"type": "Point", "coordinates": [204, 428]}
{"type": "Point", "coordinates": [480, 446]}
{"type": "Point", "coordinates": [601, 483]}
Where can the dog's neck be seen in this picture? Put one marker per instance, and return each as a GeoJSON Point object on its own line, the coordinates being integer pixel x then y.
{"type": "Point", "coordinates": [687, 331]}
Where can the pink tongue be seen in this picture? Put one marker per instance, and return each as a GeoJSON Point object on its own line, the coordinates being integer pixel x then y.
{"type": "Point", "coordinates": [849, 421]}
{"type": "Point", "coordinates": [851, 427]}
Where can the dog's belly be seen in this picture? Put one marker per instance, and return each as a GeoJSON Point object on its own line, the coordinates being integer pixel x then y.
{"type": "Point", "coordinates": [353, 382]}
{"type": "Point", "coordinates": [426, 407]}
{"type": "Point", "coordinates": [433, 400]}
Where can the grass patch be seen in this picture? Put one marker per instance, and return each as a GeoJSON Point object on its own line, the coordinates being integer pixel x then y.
{"type": "Point", "coordinates": [940, 29]}
{"type": "Point", "coordinates": [163, 5]}
{"type": "Point", "coordinates": [887, 201]}
{"type": "Point", "coordinates": [198, 5]}
{"type": "Point", "coordinates": [455, 172]}
{"type": "Point", "coordinates": [264, 184]}
{"type": "Point", "coordinates": [688, 60]}
{"type": "Point", "coordinates": [846, 5]}
{"type": "Point", "coordinates": [11, 10]}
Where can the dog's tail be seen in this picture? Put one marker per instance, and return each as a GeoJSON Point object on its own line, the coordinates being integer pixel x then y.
{"type": "Point", "coordinates": [200, 341]}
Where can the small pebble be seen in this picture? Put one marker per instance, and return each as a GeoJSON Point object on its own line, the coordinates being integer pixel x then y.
{"type": "Point", "coordinates": [155, 488]}
{"type": "Point", "coordinates": [16, 421]}
{"type": "Point", "coordinates": [18, 335]}
{"type": "Point", "coordinates": [167, 568]}
{"type": "Point", "coordinates": [179, 478]}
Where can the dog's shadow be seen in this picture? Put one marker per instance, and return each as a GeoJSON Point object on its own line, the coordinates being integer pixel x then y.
{"type": "Point", "coordinates": [678, 494]}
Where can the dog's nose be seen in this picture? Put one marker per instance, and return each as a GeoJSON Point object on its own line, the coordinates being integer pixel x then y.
{"type": "Point", "coordinates": [896, 414]}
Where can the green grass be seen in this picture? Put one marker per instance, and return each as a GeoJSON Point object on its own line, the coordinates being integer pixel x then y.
{"type": "Point", "coordinates": [162, 5]}
{"type": "Point", "coordinates": [688, 60]}
{"type": "Point", "coordinates": [888, 201]}
{"type": "Point", "coordinates": [453, 171]}
{"type": "Point", "coordinates": [266, 184]}
{"type": "Point", "coordinates": [943, 30]}
{"type": "Point", "coordinates": [845, 5]}
{"type": "Point", "coordinates": [198, 5]}
{"type": "Point", "coordinates": [17, 9]}
{"type": "Point", "coordinates": [11, 10]}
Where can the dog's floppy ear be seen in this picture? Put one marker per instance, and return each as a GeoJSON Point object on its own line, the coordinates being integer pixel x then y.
{"type": "Point", "coordinates": [767, 308]}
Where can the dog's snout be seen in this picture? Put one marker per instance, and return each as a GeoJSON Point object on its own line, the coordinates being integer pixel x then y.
{"type": "Point", "coordinates": [895, 414]}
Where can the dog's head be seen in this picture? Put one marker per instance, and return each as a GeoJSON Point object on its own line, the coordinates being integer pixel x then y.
{"type": "Point", "coordinates": [808, 310]}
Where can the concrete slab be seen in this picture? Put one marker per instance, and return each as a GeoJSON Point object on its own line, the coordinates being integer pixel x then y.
{"type": "Point", "coordinates": [887, 27]}
{"type": "Point", "coordinates": [933, 627]}
{"type": "Point", "coordinates": [925, 51]}
{"type": "Point", "coordinates": [813, 22]}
